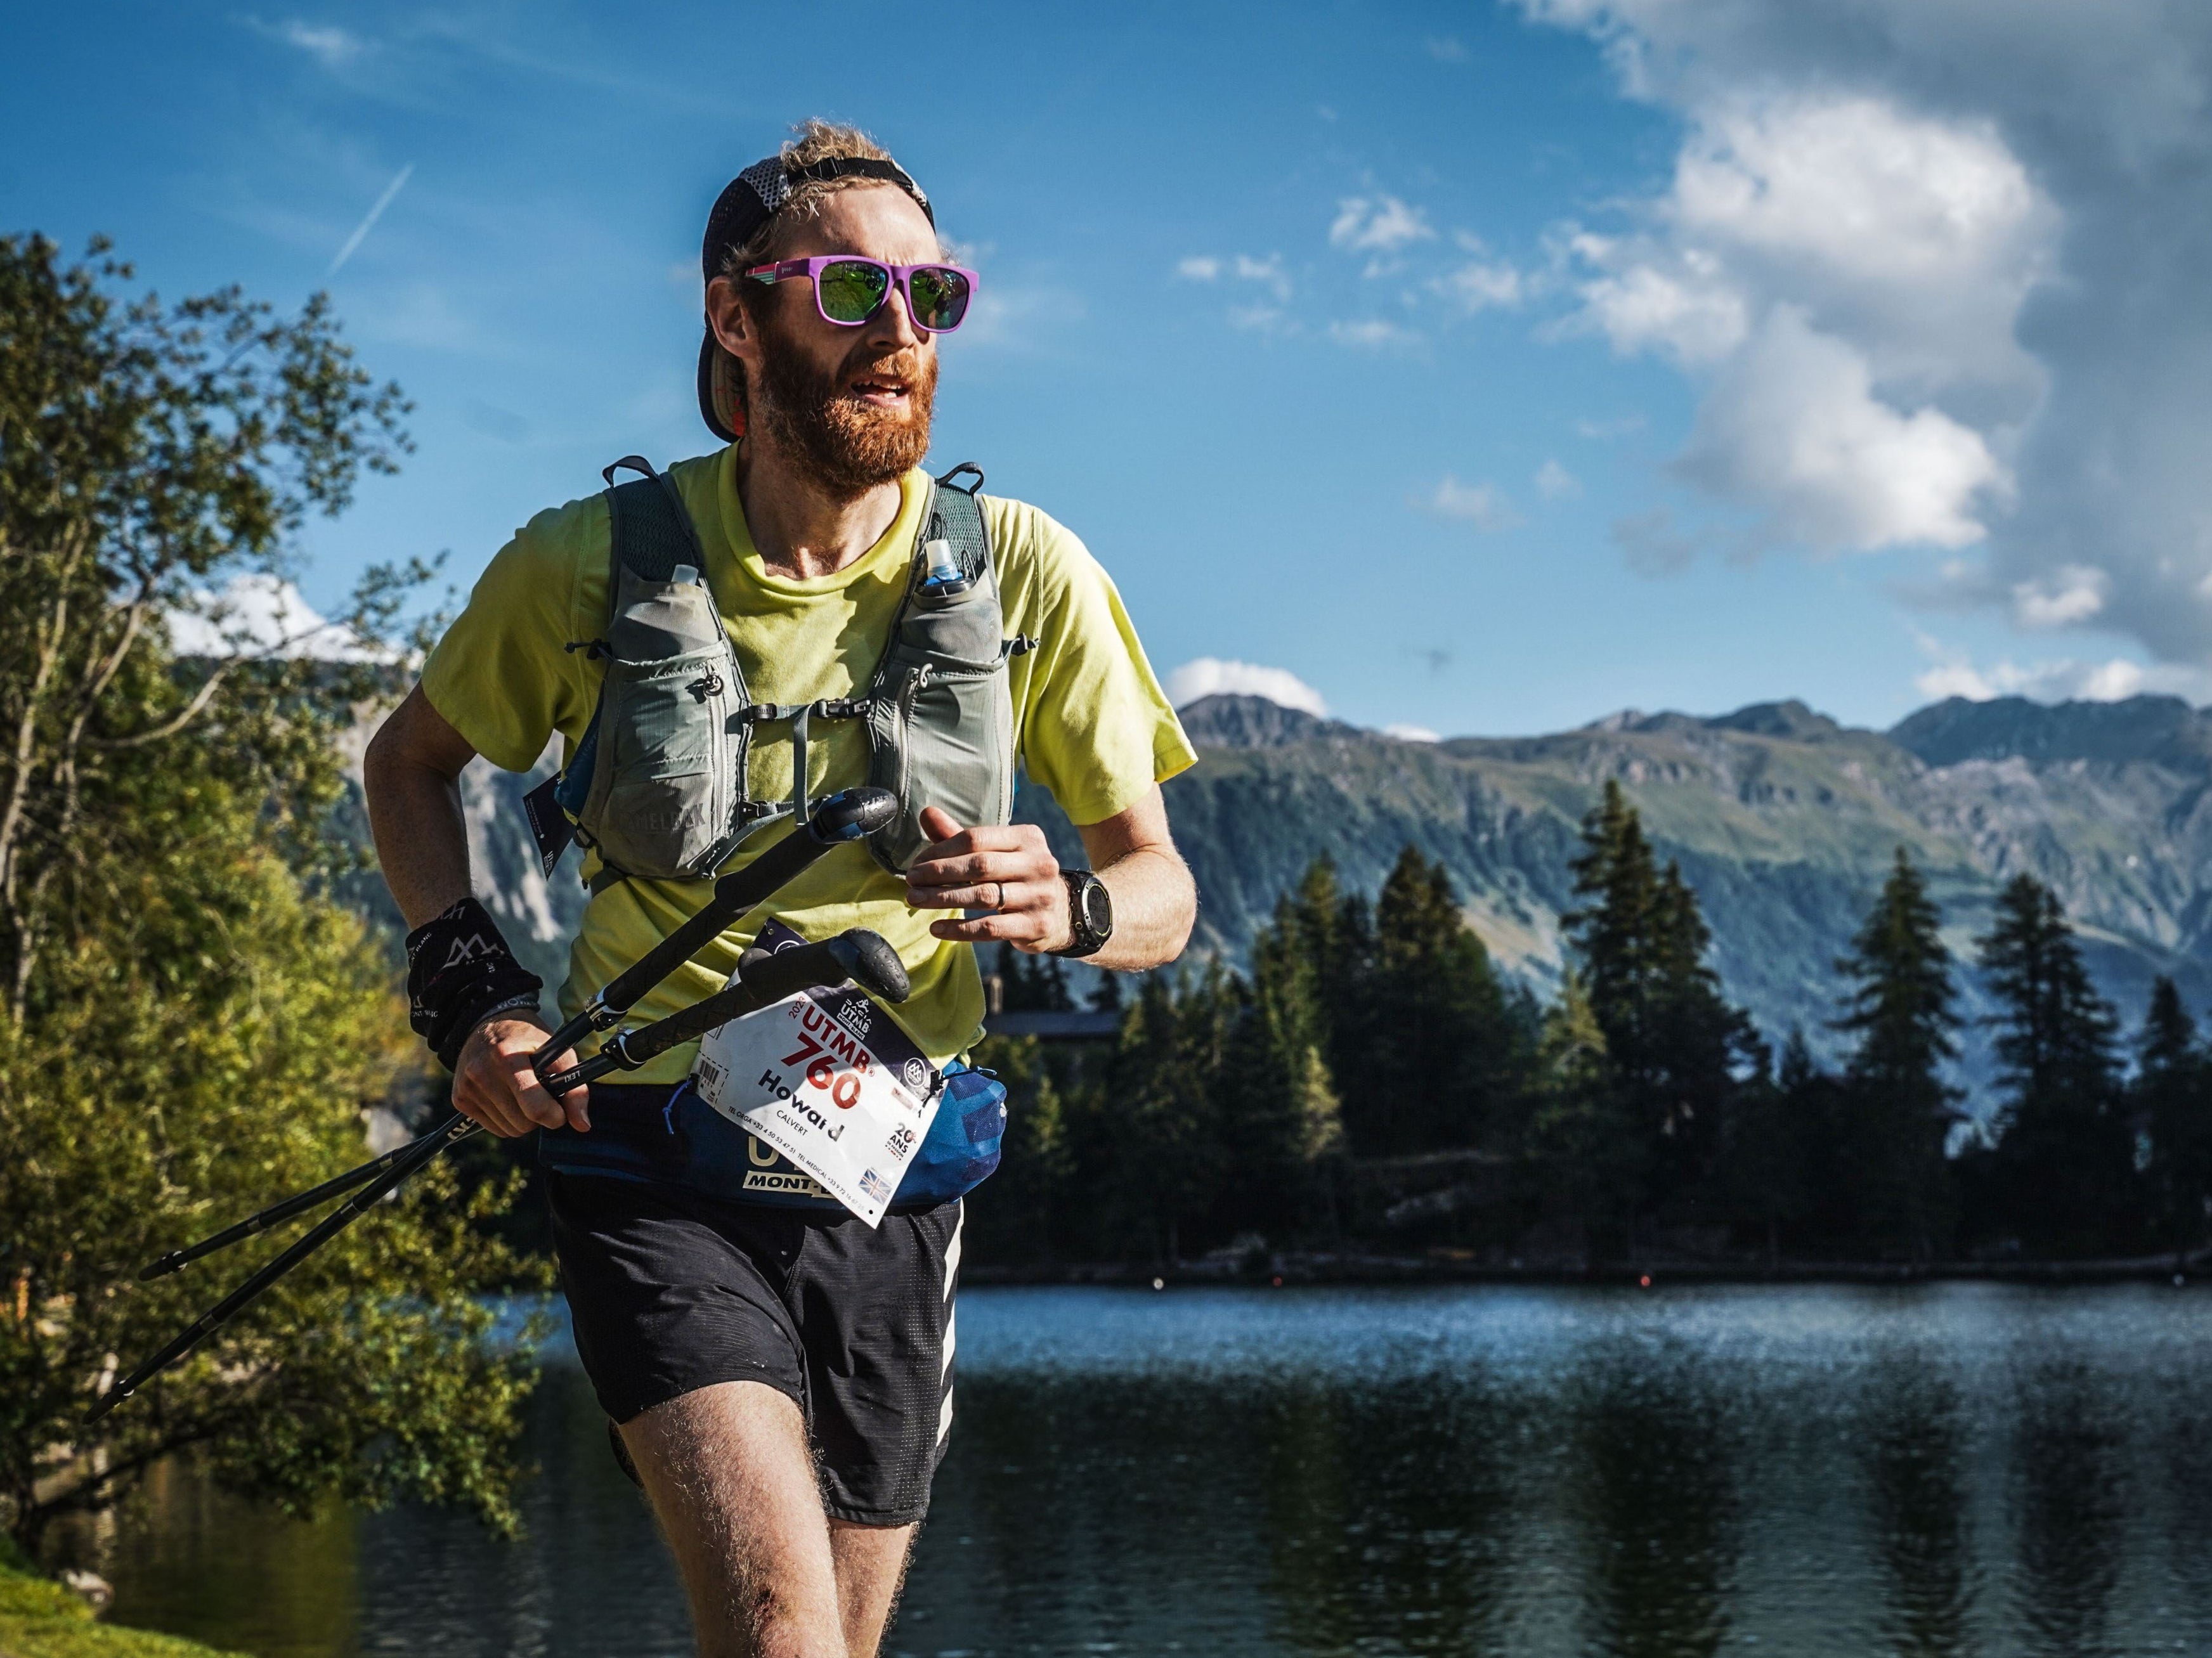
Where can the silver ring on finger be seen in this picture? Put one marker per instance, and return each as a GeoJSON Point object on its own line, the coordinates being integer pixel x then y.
{"type": "Point", "coordinates": [998, 895]}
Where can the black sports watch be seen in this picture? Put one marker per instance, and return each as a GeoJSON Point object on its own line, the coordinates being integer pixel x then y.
{"type": "Point", "coordinates": [1090, 913]}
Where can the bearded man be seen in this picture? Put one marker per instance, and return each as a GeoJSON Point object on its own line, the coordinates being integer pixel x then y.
{"type": "Point", "coordinates": [780, 1373]}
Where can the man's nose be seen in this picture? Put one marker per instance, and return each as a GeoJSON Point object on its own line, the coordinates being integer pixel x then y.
{"type": "Point", "coordinates": [893, 325]}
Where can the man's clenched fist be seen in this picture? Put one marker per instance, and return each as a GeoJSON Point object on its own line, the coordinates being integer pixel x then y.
{"type": "Point", "coordinates": [493, 1085]}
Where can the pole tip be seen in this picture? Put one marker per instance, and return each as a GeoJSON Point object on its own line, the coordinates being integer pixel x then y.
{"type": "Point", "coordinates": [106, 1402]}
{"type": "Point", "coordinates": [162, 1268]}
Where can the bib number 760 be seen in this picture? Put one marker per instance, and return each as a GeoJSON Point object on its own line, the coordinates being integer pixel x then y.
{"type": "Point", "coordinates": [823, 1072]}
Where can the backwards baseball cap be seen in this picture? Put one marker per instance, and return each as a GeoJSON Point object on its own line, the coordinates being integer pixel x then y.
{"type": "Point", "coordinates": [747, 203]}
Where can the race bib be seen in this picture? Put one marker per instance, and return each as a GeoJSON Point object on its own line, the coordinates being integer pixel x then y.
{"type": "Point", "coordinates": [826, 1079]}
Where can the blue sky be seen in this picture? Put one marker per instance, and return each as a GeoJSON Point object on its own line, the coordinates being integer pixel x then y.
{"type": "Point", "coordinates": [1486, 368]}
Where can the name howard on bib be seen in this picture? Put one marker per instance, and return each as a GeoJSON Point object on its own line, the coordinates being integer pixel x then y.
{"type": "Point", "coordinates": [825, 1080]}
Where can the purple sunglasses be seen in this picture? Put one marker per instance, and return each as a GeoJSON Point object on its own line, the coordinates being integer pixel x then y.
{"type": "Point", "coordinates": [849, 290]}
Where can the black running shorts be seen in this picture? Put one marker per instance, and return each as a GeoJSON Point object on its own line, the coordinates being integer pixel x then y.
{"type": "Point", "coordinates": [671, 1291]}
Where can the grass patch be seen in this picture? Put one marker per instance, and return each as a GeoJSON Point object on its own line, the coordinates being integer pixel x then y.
{"type": "Point", "coordinates": [39, 1619]}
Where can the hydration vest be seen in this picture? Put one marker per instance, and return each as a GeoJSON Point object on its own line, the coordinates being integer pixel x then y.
{"type": "Point", "coordinates": [658, 787]}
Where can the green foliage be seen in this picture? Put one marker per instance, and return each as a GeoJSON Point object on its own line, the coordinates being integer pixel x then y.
{"type": "Point", "coordinates": [2062, 1167]}
{"type": "Point", "coordinates": [39, 1619]}
{"type": "Point", "coordinates": [191, 1029]}
{"type": "Point", "coordinates": [1900, 1009]}
{"type": "Point", "coordinates": [1673, 1045]}
{"type": "Point", "coordinates": [2172, 1099]}
{"type": "Point", "coordinates": [1373, 1042]}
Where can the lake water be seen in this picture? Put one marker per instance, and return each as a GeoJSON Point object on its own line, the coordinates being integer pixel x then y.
{"type": "Point", "coordinates": [1959, 1469]}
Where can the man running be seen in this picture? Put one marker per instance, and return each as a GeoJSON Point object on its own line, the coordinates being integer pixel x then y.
{"type": "Point", "coordinates": [780, 1372]}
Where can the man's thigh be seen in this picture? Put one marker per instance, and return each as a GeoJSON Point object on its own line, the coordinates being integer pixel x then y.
{"type": "Point", "coordinates": [731, 1478]}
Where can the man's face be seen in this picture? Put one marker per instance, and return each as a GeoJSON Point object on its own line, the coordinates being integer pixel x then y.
{"type": "Point", "coordinates": [851, 405]}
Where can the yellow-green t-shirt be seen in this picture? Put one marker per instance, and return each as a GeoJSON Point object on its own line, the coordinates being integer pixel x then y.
{"type": "Point", "coordinates": [1090, 721]}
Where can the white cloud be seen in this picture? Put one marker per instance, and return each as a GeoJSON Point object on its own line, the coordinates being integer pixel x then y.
{"type": "Point", "coordinates": [1555, 482]}
{"type": "Point", "coordinates": [1370, 333]}
{"type": "Point", "coordinates": [1412, 734]}
{"type": "Point", "coordinates": [1993, 208]}
{"type": "Point", "coordinates": [257, 614]}
{"type": "Point", "coordinates": [1481, 283]}
{"type": "Point", "coordinates": [2072, 594]}
{"type": "Point", "coordinates": [1793, 425]}
{"type": "Point", "coordinates": [1954, 673]}
{"type": "Point", "coordinates": [329, 44]}
{"type": "Point", "coordinates": [1599, 431]}
{"type": "Point", "coordinates": [1482, 505]}
{"type": "Point", "coordinates": [1445, 49]}
{"type": "Point", "coordinates": [1268, 272]}
{"type": "Point", "coordinates": [1377, 224]}
{"type": "Point", "coordinates": [1213, 676]}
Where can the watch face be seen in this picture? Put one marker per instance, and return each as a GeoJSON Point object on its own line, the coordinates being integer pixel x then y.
{"type": "Point", "coordinates": [1097, 909]}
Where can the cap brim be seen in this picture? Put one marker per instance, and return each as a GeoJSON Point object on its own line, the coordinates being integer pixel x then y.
{"type": "Point", "coordinates": [718, 406]}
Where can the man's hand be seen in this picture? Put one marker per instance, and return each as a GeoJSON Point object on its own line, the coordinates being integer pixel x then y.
{"type": "Point", "coordinates": [495, 1085]}
{"type": "Point", "coordinates": [1009, 872]}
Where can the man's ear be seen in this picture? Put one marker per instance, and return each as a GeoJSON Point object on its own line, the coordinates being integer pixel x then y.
{"type": "Point", "coordinates": [726, 316]}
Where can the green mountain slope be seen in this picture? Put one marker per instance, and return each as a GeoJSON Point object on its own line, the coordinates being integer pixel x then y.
{"type": "Point", "coordinates": [1782, 819]}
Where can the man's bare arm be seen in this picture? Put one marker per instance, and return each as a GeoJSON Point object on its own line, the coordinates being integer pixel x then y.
{"type": "Point", "coordinates": [1012, 873]}
{"type": "Point", "coordinates": [411, 776]}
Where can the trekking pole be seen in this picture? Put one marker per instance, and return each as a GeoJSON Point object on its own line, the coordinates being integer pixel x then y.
{"type": "Point", "coordinates": [848, 815]}
{"type": "Point", "coordinates": [298, 1204]}
{"type": "Point", "coordinates": [855, 956]}
{"type": "Point", "coordinates": [411, 1158]}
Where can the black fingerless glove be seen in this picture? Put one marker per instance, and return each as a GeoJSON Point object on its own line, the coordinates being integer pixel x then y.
{"type": "Point", "coordinates": [460, 973]}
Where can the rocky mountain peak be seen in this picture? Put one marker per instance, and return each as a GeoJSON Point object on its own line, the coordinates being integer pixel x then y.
{"type": "Point", "coordinates": [2162, 728]}
{"type": "Point", "coordinates": [1231, 721]}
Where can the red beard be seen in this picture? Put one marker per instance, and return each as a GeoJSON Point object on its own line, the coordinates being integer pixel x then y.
{"type": "Point", "coordinates": [845, 445]}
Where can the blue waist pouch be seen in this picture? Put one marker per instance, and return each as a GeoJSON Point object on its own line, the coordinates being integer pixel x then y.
{"type": "Point", "coordinates": [673, 1135]}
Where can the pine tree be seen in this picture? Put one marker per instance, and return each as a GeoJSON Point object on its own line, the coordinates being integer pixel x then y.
{"type": "Point", "coordinates": [1573, 1139]}
{"type": "Point", "coordinates": [1900, 1010]}
{"type": "Point", "coordinates": [1673, 1043]}
{"type": "Point", "coordinates": [2173, 1095]}
{"type": "Point", "coordinates": [1444, 1055]}
{"type": "Point", "coordinates": [1277, 1098]}
{"type": "Point", "coordinates": [2063, 1169]}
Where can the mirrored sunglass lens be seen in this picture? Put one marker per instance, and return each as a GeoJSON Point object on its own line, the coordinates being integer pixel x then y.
{"type": "Point", "coordinates": [940, 295]}
{"type": "Point", "coordinates": [851, 291]}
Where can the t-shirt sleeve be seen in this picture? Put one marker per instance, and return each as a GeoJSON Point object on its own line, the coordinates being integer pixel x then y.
{"type": "Point", "coordinates": [499, 676]}
{"type": "Point", "coordinates": [1096, 727]}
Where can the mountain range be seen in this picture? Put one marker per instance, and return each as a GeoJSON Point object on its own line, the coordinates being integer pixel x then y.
{"type": "Point", "coordinates": [1783, 820]}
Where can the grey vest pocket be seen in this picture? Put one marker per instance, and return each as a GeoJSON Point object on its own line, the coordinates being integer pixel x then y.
{"type": "Point", "coordinates": [942, 719]}
{"type": "Point", "coordinates": [665, 779]}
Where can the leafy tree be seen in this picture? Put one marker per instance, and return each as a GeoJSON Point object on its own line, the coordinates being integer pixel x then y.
{"type": "Point", "coordinates": [2062, 1168]}
{"type": "Point", "coordinates": [2173, 1100]}
{"type": "Point", "coordinates": [1900, 1010]}
{"type": "Point", "coordinates": [189, 1027]}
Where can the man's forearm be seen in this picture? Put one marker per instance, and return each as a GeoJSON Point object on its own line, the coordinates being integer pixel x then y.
{"type": "Point", "coordinates": [1155, 902]}
{"type": "Point", "coordinates": [421, 837]}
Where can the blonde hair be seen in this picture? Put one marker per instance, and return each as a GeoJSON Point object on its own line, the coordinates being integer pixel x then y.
{"type": "Point", "coordinates": [813, 139]}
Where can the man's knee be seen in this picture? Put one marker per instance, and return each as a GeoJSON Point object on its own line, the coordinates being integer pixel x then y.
{"type": "Point", "coordinates": [731, 1478]}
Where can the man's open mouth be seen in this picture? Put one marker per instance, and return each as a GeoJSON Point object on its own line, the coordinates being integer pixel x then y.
{"type": "Point", "coordinates": [881, 390]}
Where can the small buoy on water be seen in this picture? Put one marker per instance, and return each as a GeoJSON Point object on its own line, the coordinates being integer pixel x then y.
{"type": "Point", "coordinates": [1645, 1283]}
{"type": "Point", "coordinates": [2179, 1281]}
{"type": "Point", "coordinates": [1278, 1283]}
{"type": "Point", "coordinates": [1160, 1284]}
